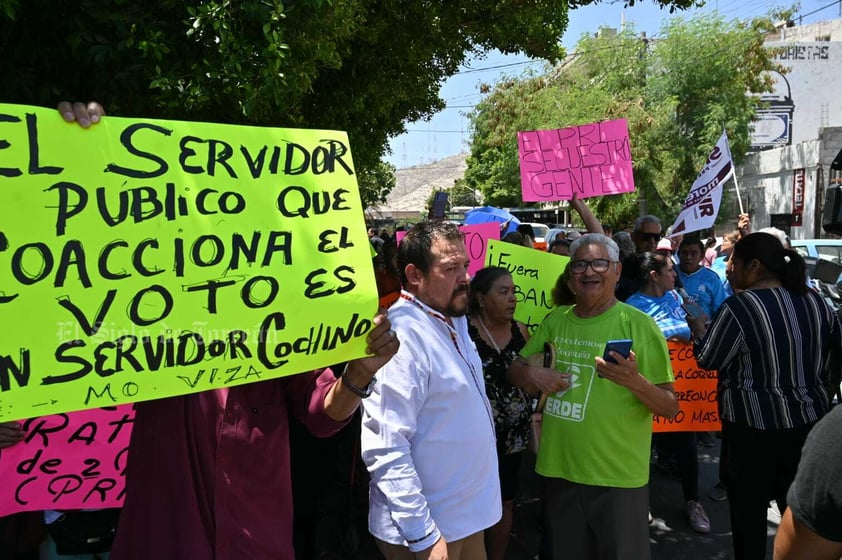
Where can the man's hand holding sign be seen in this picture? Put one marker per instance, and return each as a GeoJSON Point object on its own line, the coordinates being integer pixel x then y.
{"type": "Point", "coordinates": [172, 258]}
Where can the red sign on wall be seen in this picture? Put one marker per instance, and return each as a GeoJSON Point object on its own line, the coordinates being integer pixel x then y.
{"type": "Point", "coordinates": [798, 191]}
{"type": "Point", "coordinates": [798, 180]}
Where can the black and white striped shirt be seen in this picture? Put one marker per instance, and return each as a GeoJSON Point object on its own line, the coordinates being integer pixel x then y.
{"type": "Point", "coordinates": [776, 352]}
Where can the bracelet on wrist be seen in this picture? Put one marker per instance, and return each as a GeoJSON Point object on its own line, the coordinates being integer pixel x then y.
{"type": "Point", "coordinates": [361, 392]}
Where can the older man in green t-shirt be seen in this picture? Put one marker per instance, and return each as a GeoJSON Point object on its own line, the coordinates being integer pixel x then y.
{"type": "Point", "coordinates": [596, 435]}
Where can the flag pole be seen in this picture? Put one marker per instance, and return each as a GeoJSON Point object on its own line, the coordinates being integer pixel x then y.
{"type": "Point", "coordinates": [737, 188]}
{"type": "Point", "coordinates": [734, 172]}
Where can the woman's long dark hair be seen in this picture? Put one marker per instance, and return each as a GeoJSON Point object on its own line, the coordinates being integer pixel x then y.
{"type": "Point", "coordinates": [785, 265]}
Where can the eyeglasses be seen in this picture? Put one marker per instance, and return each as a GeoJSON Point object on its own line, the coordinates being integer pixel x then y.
{"type": "Point", "coordinates": [598, 265]}
{"type": "Point", "coordinates": [650, 236]}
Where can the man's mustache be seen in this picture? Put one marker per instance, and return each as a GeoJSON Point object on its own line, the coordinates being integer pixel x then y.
{"type": "Point", "coordinates": [461, 289]}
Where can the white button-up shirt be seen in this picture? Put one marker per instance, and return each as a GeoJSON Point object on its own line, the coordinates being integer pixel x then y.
{"type": "Point", "coordinates": [428, 435]}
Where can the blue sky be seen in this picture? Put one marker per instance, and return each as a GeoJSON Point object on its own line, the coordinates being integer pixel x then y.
{"type": "Point", "coordinates": [447, 133]}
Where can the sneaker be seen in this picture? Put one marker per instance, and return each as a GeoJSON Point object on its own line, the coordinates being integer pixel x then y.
{"type": "Point", "coordinates": [698, 518]}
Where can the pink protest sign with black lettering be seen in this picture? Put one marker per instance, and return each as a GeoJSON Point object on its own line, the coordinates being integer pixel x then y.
{"type": "Point", "coordinates": [589, 160]}
{"type": "Point", "coordinates": [68, 461]}
{"type": "Point", "coordinates": [476, 242]}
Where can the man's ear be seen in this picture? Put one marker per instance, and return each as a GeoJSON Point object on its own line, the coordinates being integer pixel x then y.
{"type": "Point", "coordinates": [413, 274]}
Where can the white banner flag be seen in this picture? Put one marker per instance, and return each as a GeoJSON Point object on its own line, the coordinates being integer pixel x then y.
{"type": "Point", "coordinates": [702, 203]}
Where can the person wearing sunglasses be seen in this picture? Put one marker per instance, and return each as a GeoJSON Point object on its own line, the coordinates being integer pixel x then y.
{"type": "Point", "coordinates": [646, 233]}
{"type": "Point", "coordinates": [645, 236]}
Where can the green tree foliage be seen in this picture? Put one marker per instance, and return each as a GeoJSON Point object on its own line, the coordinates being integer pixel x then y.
{"type": "Point", "coordinates": [376, 182]}
{"type": "Point", "coordinates": [460, 194]}
{"type": "Point", "coordinates": [364, 66]}
{"type": "Point", "coordinates": [463, 195]}
{"type": "Point", "coordinates": [677, 92]}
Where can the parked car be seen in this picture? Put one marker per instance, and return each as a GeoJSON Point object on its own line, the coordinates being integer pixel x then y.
{"type": "Point", "coordinates": [541, 232]}
{"type": "Point", "coordinates": [824, 267]}
{"type": "Point", "coordinates": [825, 249]}
{"type": "Point", "coordinates": [552, 234]}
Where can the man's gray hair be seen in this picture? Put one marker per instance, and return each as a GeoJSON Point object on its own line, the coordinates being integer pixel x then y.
{"type": "Point", "coordinates": [647, 219]}
{"type": "Point", "coordinates": [597, 239]}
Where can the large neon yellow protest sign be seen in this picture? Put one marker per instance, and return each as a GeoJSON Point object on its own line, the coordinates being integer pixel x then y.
{"type": "Point", "coordinates": [145, 258]}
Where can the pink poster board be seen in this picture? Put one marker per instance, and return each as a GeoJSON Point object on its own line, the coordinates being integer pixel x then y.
{"type": "Point", "coordinates": [476, 242]}
{"type": "Point", "coordinates": [590, 160]}
{"type": "Point", "coordinates": [75, 460]}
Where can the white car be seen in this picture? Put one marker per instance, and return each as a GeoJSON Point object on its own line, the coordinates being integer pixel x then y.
{"type": "Point", "coordinates": [541, 232]}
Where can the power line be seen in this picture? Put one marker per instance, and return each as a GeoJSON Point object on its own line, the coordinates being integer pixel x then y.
{"type": "Point", "coordinates": [820, 9]}
{"type": "Point", "coordinates": [499, 66]}
{"type": "Point", "coordinates": [740, 6]}
{"type": "Point", "coordinates": [732, 8]}
{"type": "Point", "coordinates": [726, 47]}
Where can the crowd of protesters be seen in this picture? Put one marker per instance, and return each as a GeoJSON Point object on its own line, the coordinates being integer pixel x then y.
{"type": "Point", "coordinates": [423, 460]}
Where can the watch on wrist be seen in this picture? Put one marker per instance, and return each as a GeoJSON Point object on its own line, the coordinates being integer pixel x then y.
{"type": "Point", "coordinates": [361, 392]}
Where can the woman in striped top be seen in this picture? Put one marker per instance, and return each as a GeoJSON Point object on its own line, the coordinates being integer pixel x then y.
{"type": "Point", "coordinates": [776, 345]}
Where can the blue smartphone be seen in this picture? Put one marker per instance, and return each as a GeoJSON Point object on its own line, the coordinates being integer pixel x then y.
{"type": "Point", "coordinates": [622, 347]}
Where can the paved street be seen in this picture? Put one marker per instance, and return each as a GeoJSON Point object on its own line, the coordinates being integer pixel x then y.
{"type": "Point", "coordinates": [671, 536]}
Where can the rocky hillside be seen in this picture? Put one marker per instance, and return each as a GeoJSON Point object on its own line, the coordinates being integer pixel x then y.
{"type": "Point", "coordinates": [414, 185]}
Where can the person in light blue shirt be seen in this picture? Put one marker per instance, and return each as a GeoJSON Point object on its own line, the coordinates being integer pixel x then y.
{"type": "Point", "coordinates": [702, 284]}
{"type": "Point", "coordinates": [719, 264]}
{"type": "Point", "coordinates": [662, 302]}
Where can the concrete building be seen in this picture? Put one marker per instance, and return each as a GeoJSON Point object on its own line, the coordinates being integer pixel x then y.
{"type": "Point", "coordinates": [798, 137]}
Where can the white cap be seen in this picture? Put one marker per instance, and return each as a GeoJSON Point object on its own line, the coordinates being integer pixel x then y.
{"type": "Point", "coordinates": [664, 244]}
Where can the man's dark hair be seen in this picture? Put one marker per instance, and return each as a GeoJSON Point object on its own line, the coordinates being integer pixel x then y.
{"type": "Point", "coordinates": [556, 242]}
{"type": "Point", "coordinates": [416, 246]}
{"type": "Point", "coordinates": [687, 241]}
{"type": "Point", "coordinates": [526, 229]}
{"type": "Point", "coordinates": [514, 237]}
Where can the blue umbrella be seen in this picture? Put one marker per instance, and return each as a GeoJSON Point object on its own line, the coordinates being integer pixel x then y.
{"type": "Point", "coordinates": [486, 214]}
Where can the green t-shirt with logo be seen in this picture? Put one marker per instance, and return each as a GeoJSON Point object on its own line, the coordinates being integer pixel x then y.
{"type": "Point", "coordinates": [597, 432]}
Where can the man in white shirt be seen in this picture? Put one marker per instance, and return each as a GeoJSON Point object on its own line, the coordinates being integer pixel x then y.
{"type": "Point", "coordinates": [428, 433]}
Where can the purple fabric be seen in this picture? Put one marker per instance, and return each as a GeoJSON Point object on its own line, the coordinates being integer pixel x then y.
{"type": "Point", "coordinates": [208, 475]}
